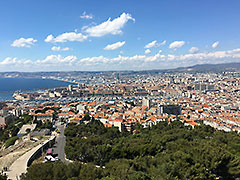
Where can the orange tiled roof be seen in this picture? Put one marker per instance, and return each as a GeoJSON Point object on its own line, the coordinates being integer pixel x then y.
{"type": "Point", "coordinates": [192, 123]}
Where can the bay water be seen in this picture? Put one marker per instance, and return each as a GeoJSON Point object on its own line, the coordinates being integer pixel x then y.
{"type": "Point", "coordinates": [9, 85]}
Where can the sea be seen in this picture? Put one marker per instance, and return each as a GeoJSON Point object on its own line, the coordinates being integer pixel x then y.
{"type": "Point", "coordinates": [9, 85]}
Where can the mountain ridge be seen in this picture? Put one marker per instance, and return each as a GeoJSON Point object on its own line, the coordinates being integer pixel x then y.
{"type": "Point", "coordinates": [221, 67]}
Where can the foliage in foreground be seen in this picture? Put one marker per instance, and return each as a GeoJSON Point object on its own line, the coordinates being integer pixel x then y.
{"type": "Point", "coordinates": [11, 141]}
{"type": "Point", "coordinates": [61, 171]}
{"type": "Point", "coordinates": [12, 129]}
{"type": "Point", "coordinates": [163, 152]}
{"type": "Point", "coordinates": [3, 177]}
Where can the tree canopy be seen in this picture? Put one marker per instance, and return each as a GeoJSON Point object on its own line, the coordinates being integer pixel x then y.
{"type": "Point", "coordinates": [163, 152]}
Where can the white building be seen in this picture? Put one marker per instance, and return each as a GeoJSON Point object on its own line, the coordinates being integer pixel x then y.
{"type": "Point", "coordinates": [146, 102]}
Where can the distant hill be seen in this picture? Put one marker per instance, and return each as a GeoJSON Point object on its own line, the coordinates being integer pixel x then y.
{"type": "Point", "coordinates": [212, 67]}
{"type": "Point", "coordinates": [233, 67]}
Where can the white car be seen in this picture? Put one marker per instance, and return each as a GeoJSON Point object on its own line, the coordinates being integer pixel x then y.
{"type": "Point", "coordinates": [49, 158]}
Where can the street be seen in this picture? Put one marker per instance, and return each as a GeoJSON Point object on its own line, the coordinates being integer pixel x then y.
{"type": "Point", "coordinates": [60, 143]}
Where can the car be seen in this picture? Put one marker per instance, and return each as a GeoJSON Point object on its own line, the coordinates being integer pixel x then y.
{"type": "Point", "coordinates": [49, 158]}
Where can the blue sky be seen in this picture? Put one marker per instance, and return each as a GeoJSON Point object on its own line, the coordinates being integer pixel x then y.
{"type": "Point", "coordinates": [117, 35]}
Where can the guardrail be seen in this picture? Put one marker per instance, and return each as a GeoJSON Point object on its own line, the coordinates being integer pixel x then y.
{"type": "Point", "coordinates": [39, 151]}
{"type": "Point", "coordinates": [22, 163]}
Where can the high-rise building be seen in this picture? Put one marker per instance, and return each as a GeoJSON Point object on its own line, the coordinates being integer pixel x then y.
{"type": "Point", "coordinates": [146, 102]}
{"type": "Point", "coordinates": [160, 109]}
{"type": "Point", "coordinates": [70, 87]}
{"type": "Point", "coordinates": [202, 87]}
{"type": "Point", "coordinates": [169, 109]}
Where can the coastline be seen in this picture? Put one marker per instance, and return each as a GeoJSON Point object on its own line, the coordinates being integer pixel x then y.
{"type": "Point", "coordinates": [7, 95]}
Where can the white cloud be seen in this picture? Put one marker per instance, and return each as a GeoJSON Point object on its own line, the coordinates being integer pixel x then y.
{"type": "Point", "coordinates": [136, 62]}
{"type": "Point", "coordinates": [96, 59]}
{"type": "Point", "coordinates": [114, 46]}
{"type": "Point", "coordinates": [57, 60]}
{"type": "Point", "coordinates": [86, 16]}
{"type": "Point", "coordinates": [69, 36]}
{"type": "Point", "coordinates": [151, 44]}
{"type": "Point", "coordinates": [176, 44]}
{"type": "Point", "coordinates": [53, 60]}
{"type": "Point", "coordinates": [155, 44]}
{"type": "Point", "coordinates": [22, 42]}
{"type": "Point", "coordinates": [15, 63]}
{"type": "Point", "coordinates": [162, 43]}
{"type": "Point", "coordinates": [147, 51]}
{"type": "Point", "coordinates": [193, 50]}
{"type": "Point", "coordinates": [188, 59]}
{"type": "Point", "coordinates": [214, 45]}
{"type": "Point", "coordinates": [58, 48]}
{"type": "Point", "coordinates": [110, 26]}
{"type": "Point", "coordinates": [65, 49]}
{"type": "Point", "coordinates": [8, 61]}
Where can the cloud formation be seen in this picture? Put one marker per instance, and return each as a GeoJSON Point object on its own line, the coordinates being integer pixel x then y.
{"type": "Point", "coordinates": [8, 61]}
{"type": "Point", "coordinates": [176, 44]}
{"type": "Point", "coordinates": [58, 48]}
{"type": "Point", "coordinates": [162, 43]}
{"type": "Point", "coordinates": [214, 45]}
{"type": "Point", "coordinates": [151, 44]}
{"type": "Point", "coordinates": [86, 16]}
{"type": "Point", "coordinates": [110, 26]}
{"type": "Point", "coordinates": [114, 46]}
{"type": "Point", "coordinates": [69, 36]}
{"type": "Point", "coordinates": [56, 60]}
{"type": "Point", "coordinates": [147, 51]}
{"type": "Point", "coordinates": [137, 62]}
{"type": "Point", "coordinates": [193, 50]}
{"type": "Point", "coordinates": [22, 42]}
{"type": "Point", "coordinates": [154, 44]}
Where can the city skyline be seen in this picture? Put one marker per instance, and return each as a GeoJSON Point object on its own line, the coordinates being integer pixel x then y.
{"type": "Point", "coordinates": [76, 35]}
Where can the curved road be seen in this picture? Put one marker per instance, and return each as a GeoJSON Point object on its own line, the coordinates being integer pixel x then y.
{"type": "Point", "coordinates": [20, 165]}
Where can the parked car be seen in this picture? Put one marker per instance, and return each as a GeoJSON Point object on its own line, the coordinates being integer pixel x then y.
{"type": "Point", "coordinates": [49, 158]}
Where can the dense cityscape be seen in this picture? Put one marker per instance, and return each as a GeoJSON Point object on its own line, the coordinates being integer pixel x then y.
{"type": "Point", "coordinates": [126, 101]}
{"type": "Point", "coordinates": [119, 90]}
{"type": "Point", "coordinates": [209, 98]}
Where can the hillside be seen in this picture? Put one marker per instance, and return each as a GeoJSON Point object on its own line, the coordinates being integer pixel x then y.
{"type": "Point", "coordinates": [164, 152]}
{"type": "Point", "coordinates": [212, 67]}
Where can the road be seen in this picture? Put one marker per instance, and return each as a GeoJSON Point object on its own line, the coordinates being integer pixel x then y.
{"type": "Point", "coordinates": [60, 143]}
{"type": "Point", "coordinates": [20, 165]}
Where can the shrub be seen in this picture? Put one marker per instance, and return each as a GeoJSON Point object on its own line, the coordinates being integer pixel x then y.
{"type": "Point", "coordinates": [11, 141]}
